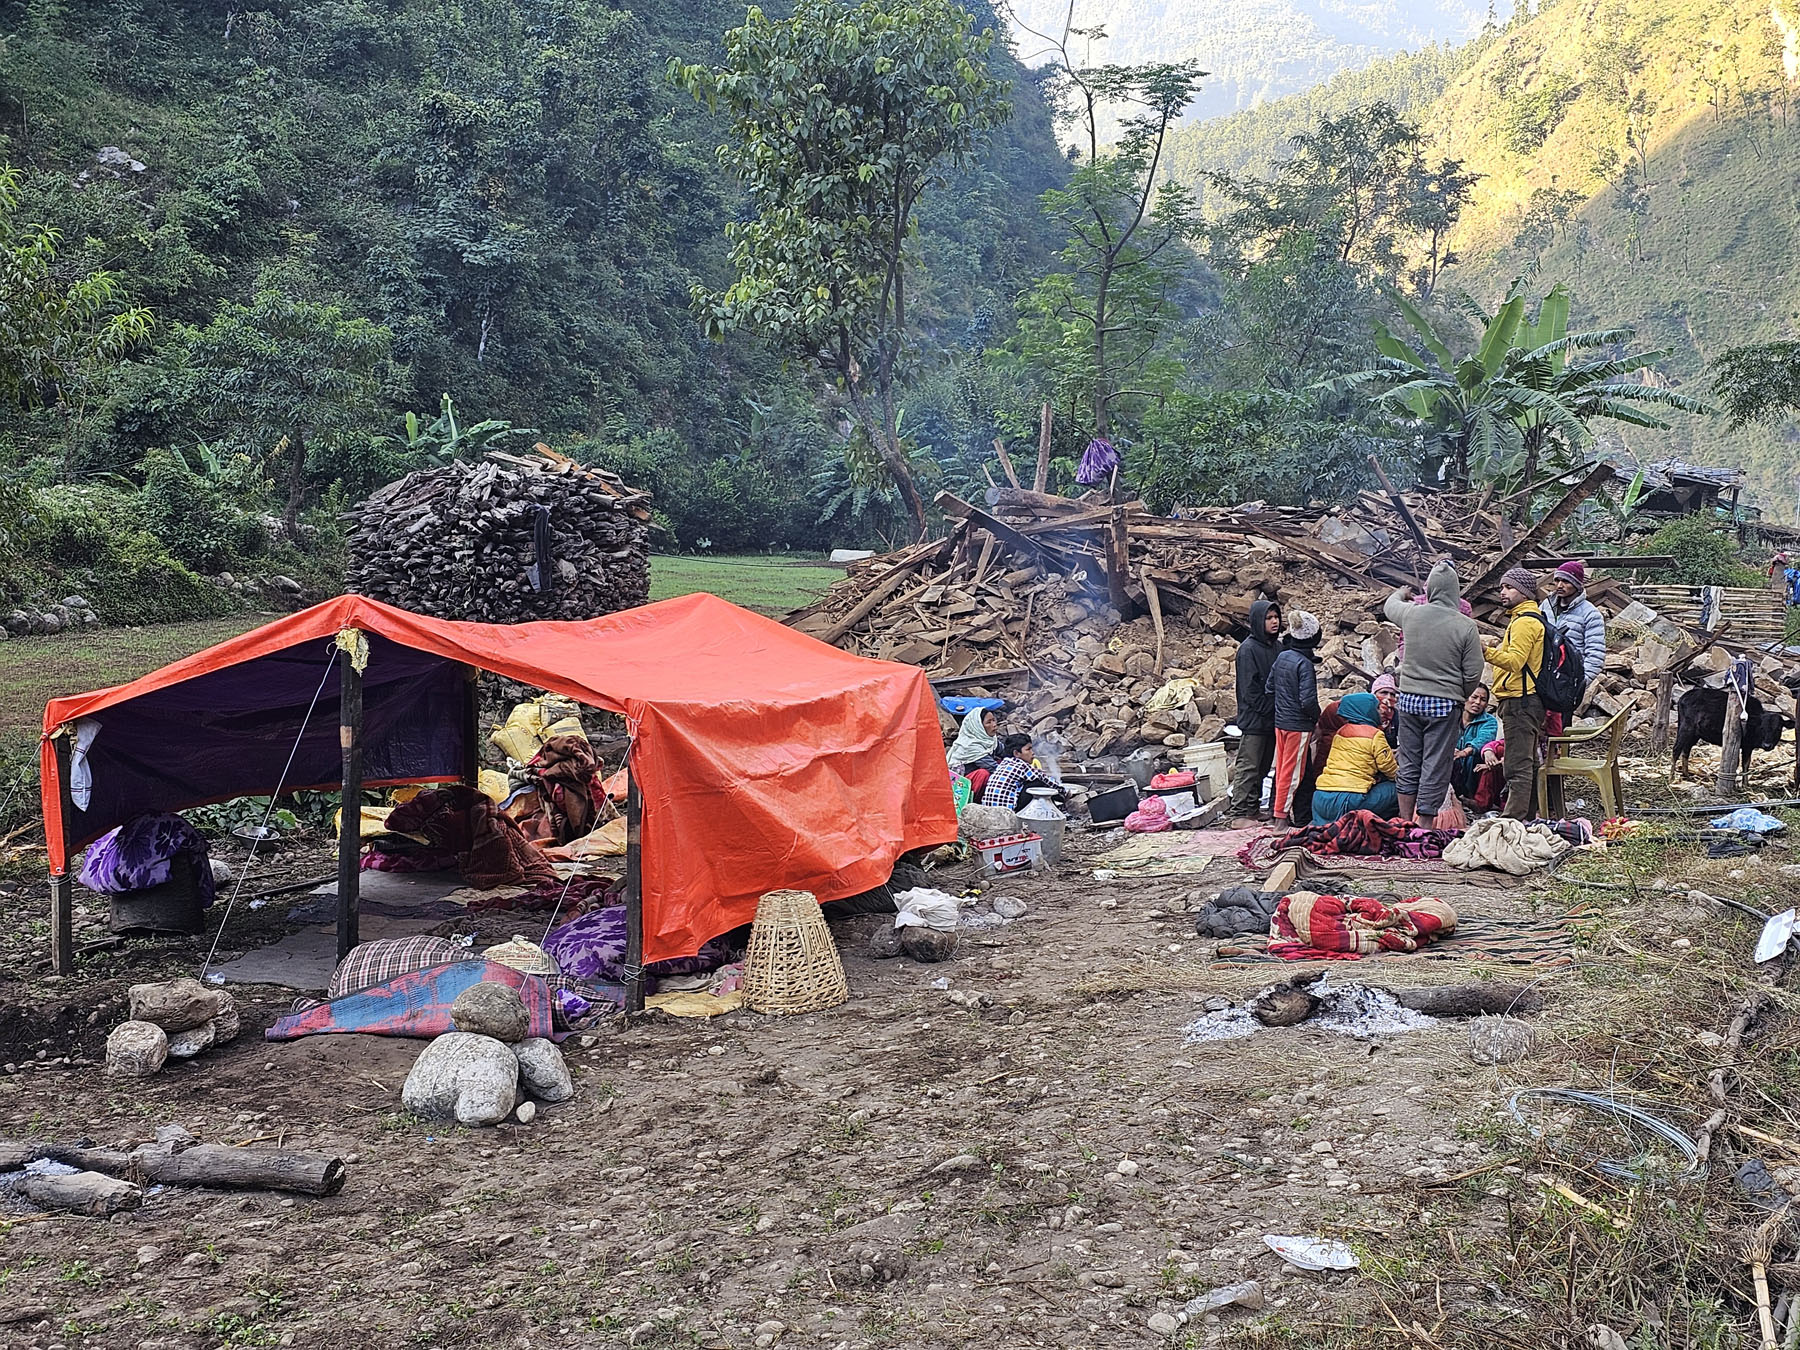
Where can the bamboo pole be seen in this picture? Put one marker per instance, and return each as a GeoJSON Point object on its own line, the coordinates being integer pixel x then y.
{"type": "Point", "coordinates": [634, 889]}
{"type": "Point", "coordinates": [62, 888]}
{"type": "Point", "coordinates": [349, 862]}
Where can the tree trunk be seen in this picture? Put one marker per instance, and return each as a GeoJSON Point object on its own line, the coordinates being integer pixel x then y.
{"type": "Point", "coordinates": [884, 435]}
{"type": "Point", "coordinates": [290, 515]}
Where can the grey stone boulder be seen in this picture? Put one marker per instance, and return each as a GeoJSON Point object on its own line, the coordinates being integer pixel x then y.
{"type": "Point", "coordinates": [175, 1005]}
{"type": "Point", "coordinates": [470, 1079]}
{"type": "Point", "coordinates": [136, 1049]}
{"type": "Point", "coordinates": [1500, 1040]}
{"type": "Point", "coordinates": [543, 1073]}
{"type": "Point", "coordinates": [884, 942]}
{"type": "Point", "coordinates": [187, 1044]}
{"type": "Point", "coordinates": [491, 1009]}
{"type": "Point", "coordinates": [928, 944]}
{"type": "Point", "coordinates": [977, 823]}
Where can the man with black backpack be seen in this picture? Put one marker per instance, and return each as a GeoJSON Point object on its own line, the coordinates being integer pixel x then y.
{"type": "Point", "coordinates": [1518, 662]}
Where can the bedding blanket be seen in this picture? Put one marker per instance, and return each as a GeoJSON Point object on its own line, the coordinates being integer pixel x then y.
{"type": "Point", "coordinates": [1309, 927]}
{"type": "Point", "coordinates": [417, 1004]}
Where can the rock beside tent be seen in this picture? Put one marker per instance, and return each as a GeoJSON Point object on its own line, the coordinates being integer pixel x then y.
{"type": "Point", "coordinates": [508, 539]}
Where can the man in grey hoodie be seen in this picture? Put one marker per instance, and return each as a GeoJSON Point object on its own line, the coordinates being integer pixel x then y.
{"type": "Point", "coordinates": [1442, 664]}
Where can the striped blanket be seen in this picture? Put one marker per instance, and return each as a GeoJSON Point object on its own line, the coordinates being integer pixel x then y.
{"type": "Point", "coordinates": [417, 1004]}
{"type": "Point", "coordinates": [1309, 927]}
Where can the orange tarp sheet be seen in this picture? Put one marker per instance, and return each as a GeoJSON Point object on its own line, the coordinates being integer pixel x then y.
{"type": "Point", "coordinates": [766, 758]}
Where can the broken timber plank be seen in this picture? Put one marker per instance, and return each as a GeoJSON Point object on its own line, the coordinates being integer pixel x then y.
{"type": "Point", "coordinates": [890, 583]}
{"type": "Point", "coordinates": [1006, 463]}
{"type": "Point", "coordinates": [1156, 617]}
{"type": "Point", "coordinates": [1595, 479]}
{"type": "Point", "coordinates": [952, 505]}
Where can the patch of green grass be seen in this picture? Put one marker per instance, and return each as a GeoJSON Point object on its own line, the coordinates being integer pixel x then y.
{"type": "Point", "coordinates": [34, 670]}
{"type": "Point", "coordinates": [769, 585]}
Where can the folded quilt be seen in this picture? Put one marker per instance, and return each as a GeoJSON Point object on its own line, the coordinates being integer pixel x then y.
{"type": "Point", "coordinates": [1309, 927]}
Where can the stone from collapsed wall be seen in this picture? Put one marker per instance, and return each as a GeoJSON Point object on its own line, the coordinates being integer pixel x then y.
{"type": "Point", "coordinates": [928, 944]}
{"type": "Point", "coordinates": [136, 1049]}
{"type": "Point", "coordinates": [987, 822]}
{"type": "Point", "coordinates": [175, 1005]}
{"type": "Point", "coordinates": [884, 942]}
{"type": "Point", "coordinates": [491, 1009]}
{"type": "Point", "coordinates": [461, 1076]}
{"type": "Point", "coordinates": [1500, 1040]}
{"type": "Point", "coordinates": [187, 1044]}
{"type": "Point", "coordinates": [543, 1072]}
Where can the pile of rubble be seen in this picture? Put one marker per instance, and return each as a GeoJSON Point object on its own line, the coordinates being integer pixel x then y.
{"type": "Point", "coordinates": [1080, 612]}
{"type": "Point", "coordinates": [1110, 628]}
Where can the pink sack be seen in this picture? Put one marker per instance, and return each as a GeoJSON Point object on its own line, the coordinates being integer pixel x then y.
{"type": "Point", "coordinates": [1151, 817]}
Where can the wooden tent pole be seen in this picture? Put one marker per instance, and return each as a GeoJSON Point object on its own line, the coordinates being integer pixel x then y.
{"type": "Point", "coordinates": [62, 898]}
{"type": "Point", "coordinates": [349, 870]}
{"type": "Point", "coordinates": [471, 748]}
{"type": "Point", "coordinates": [1731, 738]}
{"type": "Point", "coordinates": [634, 889]}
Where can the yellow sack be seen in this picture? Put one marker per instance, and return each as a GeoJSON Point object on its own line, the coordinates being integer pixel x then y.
{"type": "Point", "coordinates": [494, 785]}
{"type": "Point", "coordinates": [374, 822]}
{"type": "Point", "coordinates": [530, 724]}
{"type": "Point", "coordinates": [1174, 694]}
{"type": "Point", "coordinates": [696, 1005]}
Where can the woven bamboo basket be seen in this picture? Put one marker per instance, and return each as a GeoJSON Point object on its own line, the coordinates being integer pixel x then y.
{"type": "Point", "coordinates": [793, 964]}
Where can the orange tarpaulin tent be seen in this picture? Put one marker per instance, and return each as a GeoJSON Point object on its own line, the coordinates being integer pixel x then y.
{"type": "Point", "coordinates": [764, 758]}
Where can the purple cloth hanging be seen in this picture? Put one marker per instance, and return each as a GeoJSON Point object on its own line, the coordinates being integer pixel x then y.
{"type": "Point", "coordinates": [142, 852]}
{"type": "Point", "coordinates": [1097, 462]}
{"type": "Point", "coordinates": [591, 947]}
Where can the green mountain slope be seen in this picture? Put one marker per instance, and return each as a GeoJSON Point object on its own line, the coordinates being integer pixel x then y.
{"type": "Point", "coordinates": [1256, 50]}
{"type": "Point", "coordinates": [1646, 152]}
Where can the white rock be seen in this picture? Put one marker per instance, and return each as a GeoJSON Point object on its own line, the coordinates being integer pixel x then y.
{"type": "Point", "coordinates": [1126, 1168]}
{"type": "Point", "coordinates": [1164, 1324]}
{"type": "Point", "coordinates": [187, 1044]}
{"type": "Point", "coordinates": [542, 1070]}
{"type": "Point", "coordinates": [471, 1079]}
{"type": "Point", "coordinates": [526, 1113]}
{"type": "Point", "coordinates": [136, 1049]}
{"type": "Point", "coordinates": [1010, 907]}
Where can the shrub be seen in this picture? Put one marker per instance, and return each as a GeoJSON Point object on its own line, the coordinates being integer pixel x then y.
{"type": "Point", "coordinates": [1704, 554]}
{"type": "Point", "coordinates": [200, 527]}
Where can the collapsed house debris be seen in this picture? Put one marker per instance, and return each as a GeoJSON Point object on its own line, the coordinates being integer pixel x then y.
{"type": "Point", "coordinates": [504, 540]}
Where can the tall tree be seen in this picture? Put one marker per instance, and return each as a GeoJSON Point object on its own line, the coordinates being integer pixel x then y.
{"type": "Point", "coordinates": [1103, 320]}
{"type": "Point", "coordinates": [841, 117]}
{"type": "Point", "coordinates": [55, 334]}
{"type": "Point", "coordinates": [288, 378]}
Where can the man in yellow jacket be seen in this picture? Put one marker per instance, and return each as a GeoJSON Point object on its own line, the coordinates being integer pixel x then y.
{"type": "Point", "coordinates": [1517, 661]}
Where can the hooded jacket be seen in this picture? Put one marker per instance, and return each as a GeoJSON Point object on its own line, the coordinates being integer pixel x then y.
{"type": "Point", "coordinates": [1585, 627]}
{"type": "Point", "coordinates": [1443, 648]}
{"type": "Point", "coordinates": [1255, 658]}
{"type": "Point", "coordinates": [1294, 689]}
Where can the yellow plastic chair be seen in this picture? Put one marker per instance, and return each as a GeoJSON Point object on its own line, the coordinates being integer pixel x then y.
{"type": "Point", "coordinates": [1602, 771]}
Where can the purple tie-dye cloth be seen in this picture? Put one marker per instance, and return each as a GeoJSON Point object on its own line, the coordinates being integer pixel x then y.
{"type": "Point", "coordinates": [140, 854]}
{"type": "Point", "coordinates": [592, 948]}
{"type": "Point", "coordinates": [1097, 462]}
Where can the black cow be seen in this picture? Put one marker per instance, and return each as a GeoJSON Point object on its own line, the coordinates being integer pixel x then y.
{"type": "Point", "coordinates": [1700, 716]}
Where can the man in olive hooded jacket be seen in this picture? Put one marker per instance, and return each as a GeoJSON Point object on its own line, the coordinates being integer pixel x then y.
{"type": "Point", "coordinates": [1441, 666]}
{"type": "Point", "coordinates": [1255, 709]}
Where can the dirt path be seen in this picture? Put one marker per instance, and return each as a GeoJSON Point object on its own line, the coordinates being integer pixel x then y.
{"type": "Point", "coordinates": [1031, 1156]}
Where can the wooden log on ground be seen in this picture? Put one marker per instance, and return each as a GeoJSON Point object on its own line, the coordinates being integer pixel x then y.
{"type": "Point", "coordinates": [81, 1193]}
{"type": "Point", "coordinates": [217, 1165]}
{"type": "Point", "coordinates": [1471, 1000]}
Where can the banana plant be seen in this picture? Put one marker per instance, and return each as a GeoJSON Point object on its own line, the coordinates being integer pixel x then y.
{"type": "Point", "coordinates": [1522, 397]}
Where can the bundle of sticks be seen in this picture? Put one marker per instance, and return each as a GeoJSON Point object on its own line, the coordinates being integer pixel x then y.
{"type": "Point", "coordinates": [506, 539]}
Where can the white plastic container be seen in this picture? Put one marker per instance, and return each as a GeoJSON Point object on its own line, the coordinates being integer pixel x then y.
{"type": "Point", "coordinates": [1211, 769]}
{"type": "Point", "coordinates": [1047, 820]}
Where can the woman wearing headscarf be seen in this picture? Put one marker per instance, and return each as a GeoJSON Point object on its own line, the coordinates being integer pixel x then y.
{"type": "Point", "coordinates": [1386, 692]}
{"type": "Point", "coordinates": [1361, 770]}
{"type": "Point", "coordinates": [977, 742]}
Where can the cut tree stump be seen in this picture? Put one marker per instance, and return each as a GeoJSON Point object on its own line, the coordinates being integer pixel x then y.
{"type": "Point", "coordinates": [1471, 1000]}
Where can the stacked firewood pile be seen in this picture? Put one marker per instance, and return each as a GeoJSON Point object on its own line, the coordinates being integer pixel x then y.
{"type": "Point", "coordinates": [1082, 613]}
{"type": "Point", "coordinates": [507, 539]}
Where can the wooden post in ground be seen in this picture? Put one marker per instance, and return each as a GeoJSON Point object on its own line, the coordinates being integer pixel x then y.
{"type": "Point", "coordinates": [1659, 722]}
{"type": "Point", "coordinates": [634, 888]}
{"type": "Point", "coordinates": [349, 869]}
{"type": "Point", "coordinates": [1731, 751]}
{"type": "Point", "coordinates": [62, 897]}
{"type": "Point", "coordinates": [1040, 480]}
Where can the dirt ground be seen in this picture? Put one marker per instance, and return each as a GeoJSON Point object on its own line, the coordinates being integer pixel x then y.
{"type": "Point", "coordinates": [1030, 1156]}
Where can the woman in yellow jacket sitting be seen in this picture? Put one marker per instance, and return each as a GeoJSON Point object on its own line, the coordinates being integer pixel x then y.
{"type": "Point", "coordinates": [1359, 774]}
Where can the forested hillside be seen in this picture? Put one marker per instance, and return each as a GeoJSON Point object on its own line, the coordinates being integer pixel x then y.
{"type": "Point", "coordinates": [1255, 51]}
{"type": "Point", "coordinates": [337, 214]}
{"type": "Point", "coordinates": [1645, 152]}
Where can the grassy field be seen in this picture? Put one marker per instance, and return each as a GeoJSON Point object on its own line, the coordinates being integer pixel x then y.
{"type": "Point", "coordinates": [35, 670]}
{"type": "Point", "coordinates": [768, 585]}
